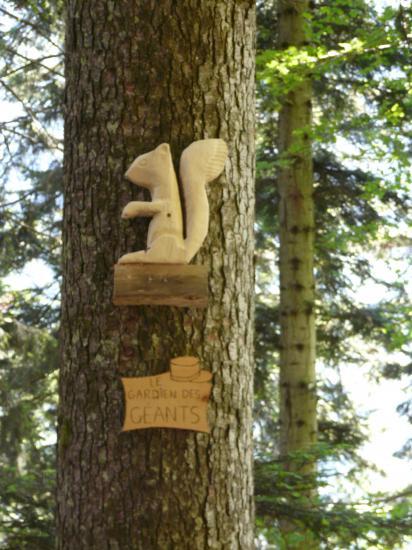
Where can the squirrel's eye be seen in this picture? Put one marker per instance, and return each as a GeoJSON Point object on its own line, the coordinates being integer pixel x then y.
{"type": "Point", "coordinates": [143, 162]}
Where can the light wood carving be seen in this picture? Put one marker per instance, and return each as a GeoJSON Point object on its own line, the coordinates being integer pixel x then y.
{"type": "Point", "coordinates": [175, 399]}
{"type": "Point", "coordinates": [168, 285]}
{"type": "Point", "coordinates": [200, 163]}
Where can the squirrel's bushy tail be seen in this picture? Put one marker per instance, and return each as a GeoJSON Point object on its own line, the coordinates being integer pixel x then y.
{"type": "Point", "coordinates": [200, 163]}
{"type": "Point", "coordinates": [217, 159]}
{"type": "Point", "coordinates": [205, 158]}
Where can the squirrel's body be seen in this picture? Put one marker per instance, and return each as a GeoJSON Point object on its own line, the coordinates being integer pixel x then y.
{"type": "Point", "coordinates": [200, 163]}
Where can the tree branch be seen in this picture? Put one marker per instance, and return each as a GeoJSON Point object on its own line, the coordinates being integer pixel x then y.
{"type": "Point", "coordinates": [49, 140]}
{"type": "Point", "coordinates": [31, 25]}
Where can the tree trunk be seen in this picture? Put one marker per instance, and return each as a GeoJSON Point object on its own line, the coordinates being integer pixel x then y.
{"type": "Point", "coordinates": [140, 73]}
{"type": "Point", "coordinates": [298, 425]}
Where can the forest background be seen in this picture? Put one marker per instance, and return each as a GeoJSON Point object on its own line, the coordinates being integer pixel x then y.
{"type": "Point", "coordinates": [358, 60]}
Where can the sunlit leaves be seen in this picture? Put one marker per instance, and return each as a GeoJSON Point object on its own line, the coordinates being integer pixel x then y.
{"type": "Point", "coordinates": [359, 62]}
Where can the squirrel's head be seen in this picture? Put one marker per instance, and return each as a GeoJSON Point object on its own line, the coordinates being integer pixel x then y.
{"type": "Point", "coordinates": [147, 170]}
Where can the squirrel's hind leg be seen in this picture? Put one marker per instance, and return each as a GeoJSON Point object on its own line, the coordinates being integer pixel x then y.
{"type": "Point", "coordinates": [134, 258]}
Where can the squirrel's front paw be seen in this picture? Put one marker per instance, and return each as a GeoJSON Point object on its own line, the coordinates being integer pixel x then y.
{"type": "Point", "coordinates": [128, 211]}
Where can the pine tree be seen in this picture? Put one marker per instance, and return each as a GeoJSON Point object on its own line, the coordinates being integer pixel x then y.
{"type": "Point", "coordinates": [31, 78]}
{"type": "Point", "coordinates": [297, 378]}
{"type": "Point", "coordinates": [139, 74]}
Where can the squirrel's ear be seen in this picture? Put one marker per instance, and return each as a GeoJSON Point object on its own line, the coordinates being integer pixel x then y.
{"type": "Point", "coordinates": [164, 149]}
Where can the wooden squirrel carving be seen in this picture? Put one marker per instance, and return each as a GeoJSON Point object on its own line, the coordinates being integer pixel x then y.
{"type": "Point", "coordinates": [200, 163]}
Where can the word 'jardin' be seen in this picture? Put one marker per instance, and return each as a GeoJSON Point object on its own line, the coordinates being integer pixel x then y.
{"type": "Point", "coordinates": [162, 393]}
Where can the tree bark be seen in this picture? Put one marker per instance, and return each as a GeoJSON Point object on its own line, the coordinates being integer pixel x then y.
{"type": "Point", "coordinates": [298, 422]}
{"type": "Point", "coordinates": [140, 73]}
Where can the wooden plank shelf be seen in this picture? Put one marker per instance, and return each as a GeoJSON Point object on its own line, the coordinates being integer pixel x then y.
{"type": "Point", "coordinates": [178, 285]}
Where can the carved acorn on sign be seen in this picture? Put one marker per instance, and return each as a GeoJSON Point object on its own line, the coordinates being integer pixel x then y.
{"type": "Point", "coordinates": [200, 163]}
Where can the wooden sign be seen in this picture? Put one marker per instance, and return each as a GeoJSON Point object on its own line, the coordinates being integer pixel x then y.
{"type": "Point", "coordinates": [175, 399]}
{"type": "Point", "coordinates": [160, 284]}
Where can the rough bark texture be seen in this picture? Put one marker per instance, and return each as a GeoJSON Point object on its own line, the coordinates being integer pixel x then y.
{"type": "Point", "coordinates": [139, 73]}
{"type": "Point", "coordinates": [298, 424]}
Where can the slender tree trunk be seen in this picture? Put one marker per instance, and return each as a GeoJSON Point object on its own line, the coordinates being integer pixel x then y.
{"type": "Point", "coordinates": [140, 73]}
{"type": "Point", "coordinates": [298, 426]}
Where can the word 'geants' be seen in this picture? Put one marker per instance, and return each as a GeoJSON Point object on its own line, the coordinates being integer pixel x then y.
{"type": "Point", "coordinates": [153, 415]}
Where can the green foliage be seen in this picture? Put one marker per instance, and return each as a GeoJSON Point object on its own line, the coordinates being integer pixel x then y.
{"type": "Point", "coordinates": [373, 521]}
{"type": "Point", "coordinates": [31, 84]}
{"type": "Point", "coordinates": [27, 506]}
{"type": "Point", "coordinates": [355, 209]}
{"type": "Point", "coordinates": [28, 368]}
{"type": "Point", "coordinates": [359, 64]}
{"type": "Point", "coordinates": [31, 89]}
